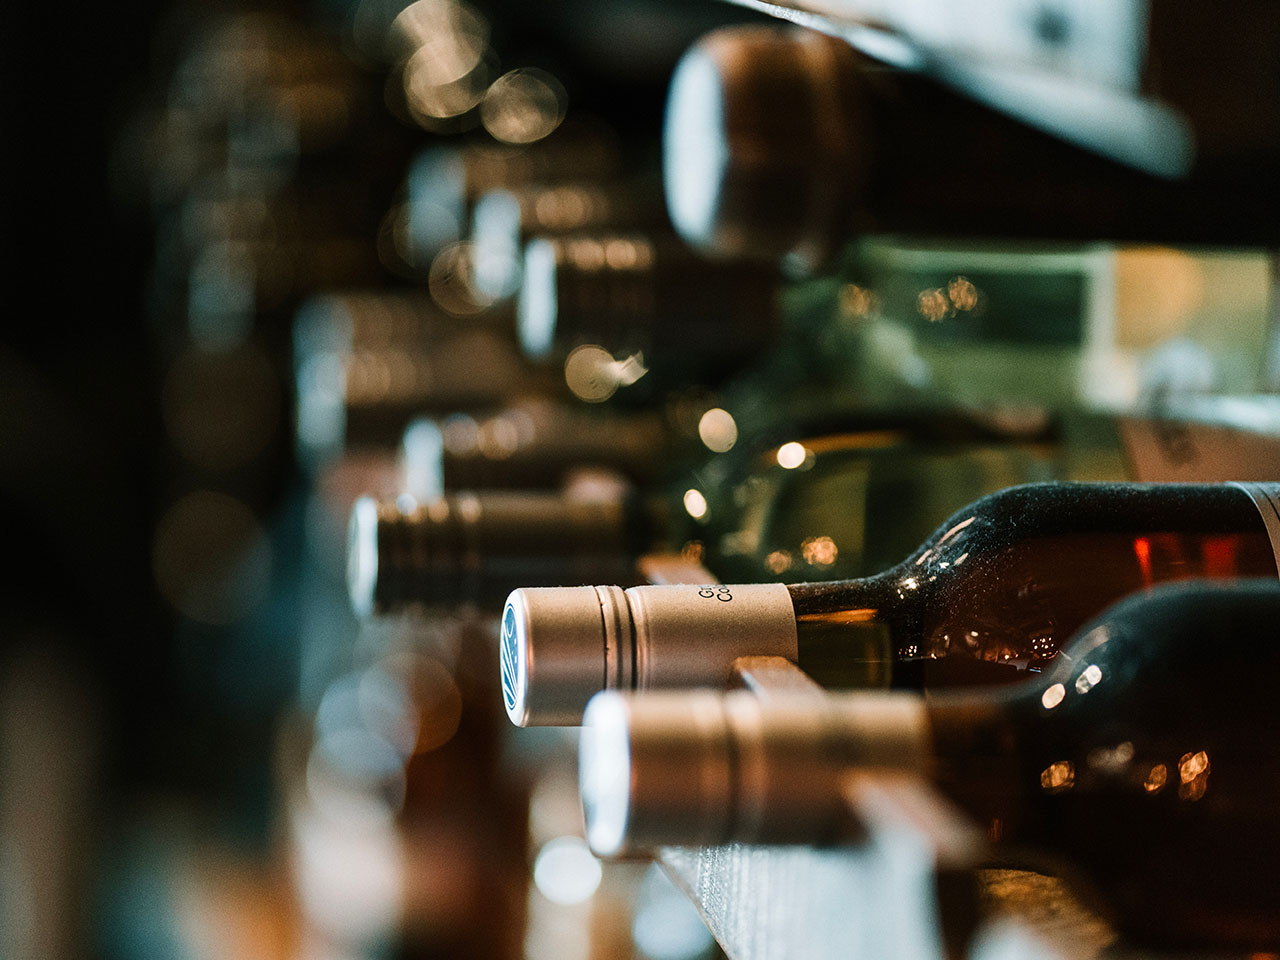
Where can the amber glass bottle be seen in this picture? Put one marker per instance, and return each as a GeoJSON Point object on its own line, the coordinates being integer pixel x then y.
{"type": "Point", "coordinates": [1141, 765]}
{"type": "Point", "coordinates": [989, 597]}
{"type": "Point", "coordinates": [1000, 586]}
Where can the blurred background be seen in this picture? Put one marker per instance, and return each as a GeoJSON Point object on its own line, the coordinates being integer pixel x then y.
{"type": "Point", "coordinates": [185, 175]}
{"type": "Point", "coordinates": [255, 241]}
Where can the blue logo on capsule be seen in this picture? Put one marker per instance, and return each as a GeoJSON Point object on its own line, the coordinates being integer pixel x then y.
{"type": "Point", "coordinates": [509, 657]}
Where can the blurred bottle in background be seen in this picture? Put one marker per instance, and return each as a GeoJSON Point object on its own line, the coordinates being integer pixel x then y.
{"type": "Point", "coordinates": [190, 549]}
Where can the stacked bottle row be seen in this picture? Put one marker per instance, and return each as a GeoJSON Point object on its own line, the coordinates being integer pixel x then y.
{"type": "Point", "coordinates": [287, 256]}
{"type": "Point", "coordinates": [557, 393]}
{"type": "Point", "coordinates": [528, 277]}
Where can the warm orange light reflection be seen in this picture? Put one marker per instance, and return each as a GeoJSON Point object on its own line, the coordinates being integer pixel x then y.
{"type": "Point", "coordinates": [1053, 696]}
{"type": "Point", "coordinates": [778, 561]}
{"type": "Point", "coordinates": [857, 302]}
{"type": "Point", "coordinates": [523, 106]}
{"type": "Point", "coordinates": [1156, 779]}
{"type": "Point", "coordinates": [438, 701]}
{"type": "Point", "coordinates": [1142, 550]}
{"type": "Point", "coordinates": [962, 293]}
{"type": "Point", "coordinates": [1193, 771]}
{"type": "Point", "coordinates": [1058, 777]}
{"type": "Point", "coordinates": [1220, 559]}
{"type": "Point", "coordinates": [933, 305]}
{"type": "Point", "coordinates": [819, 551]}
{"type": "Point", "coordinates": [1193, 765]}
{"type": "Point", "coordinates": [791, 455]}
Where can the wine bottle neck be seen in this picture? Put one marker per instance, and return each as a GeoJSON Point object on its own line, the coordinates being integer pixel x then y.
{"type": "Point", "coordinates": [975, 741]}
{"type": "Point", "coordinates": [848, 631]}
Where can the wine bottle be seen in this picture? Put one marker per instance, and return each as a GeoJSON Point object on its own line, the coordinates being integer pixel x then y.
{"type": "Point", "coordinates": [785, 143]}
{"type": "Point", "coordinates": [760, 511]}
{"type": "Point", "coordinates": [689, 319]}
{"type": "Point", "coordinates": [1143, 760]}
{"type": "Point", "coordinates": [367, 363]}
{"type": "Point", "coordinates": [507, 218]}
{"type": "Point", "coordinates": [1063, 325]}
{"type": "Point", "coordinates": [470, 547]}
{"type": "Point", "coordinates": [443, 183]}
{"type": "Point", "coordinates": [989, 598]}
{"type": "Point", "coordinates": [534, 443]}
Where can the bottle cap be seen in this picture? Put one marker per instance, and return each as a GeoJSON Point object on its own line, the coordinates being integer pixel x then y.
{"type": "Point", "coordinates": [706, 768]}
{"type": "Point", "coordinates": [468, 547]}
{"type": "Point", "coordinates": [561, 645]}
{"type": "Point", "coordinates": [758, 151]}
{"type": "Point", "coordinates": [531, 444]}
{"type": "Point", "coordinates": [505, 219]}
{"type": "Point", "coordinates": [647, 293]}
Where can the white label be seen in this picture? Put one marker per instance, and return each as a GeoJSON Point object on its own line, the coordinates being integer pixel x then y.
{"type": "Point", "coordinates": [688, 635]}
{"type": "Point", "coordinates": [1266, 497]}
{"type": "Point", "coordinates": [1166, 451]}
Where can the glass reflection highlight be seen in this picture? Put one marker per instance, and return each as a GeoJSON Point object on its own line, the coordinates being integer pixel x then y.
{"type": "Point", "coordinates": [1058, 777]}
{"type": "Point", "coordinates": [1089, 679]}
{"type": "Point", "coordinates": [718, 430]}
{"type": "Point", "coordinates": [566, 871]}
{"type": "Point", "coordinates": [1156, 779]}
{"type": "Point", "coordinates": [1193, 772]}
{"type": "Point", "coordinates": [819, 551]}
{"type": "Point", "coordinates": [695, 504]}
{"type": "Point", "coordinates": [791, 455]}
{"type": "Point", "coordinates": [523, 105]}
{"type": "Point", "coordinates": [1053, 696]}
{"type": "Point", "coordinates": [593, 375]}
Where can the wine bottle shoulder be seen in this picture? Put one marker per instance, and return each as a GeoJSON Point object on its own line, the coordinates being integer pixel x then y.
{"type": "Point", "coordinates": [1046, 509]}
{"type": "Point", "coordinates": [1033, 562]}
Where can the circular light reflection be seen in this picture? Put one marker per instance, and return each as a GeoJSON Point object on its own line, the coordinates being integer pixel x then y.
{"type": "Point", "coordinates": [819, 551]}
{"type": "Point", "coordinates": [565, 871]}
{"type": "Point", "coordinates": [429, 101]}
{"type": "Point", "coordinates": [1053, 696]}
{"type": "Point", "coordinates": [1089, 679]}
{"type": "Point", "coordinates": [666, 925]}
{"type": "Point", "coordinates": [718, 430]}
{"type": "Point", "coordinates": [450, 282]}
{"type": "Point", "coordinates": [523, 105]}
{"type": "Point", "coordinates": [211, 558]}
{"type": "Point", "coordinates": [695, 504]}
{"type": "Point", "coordinates": [589, 373]}
{"type": "Point", "coordinates": [791, 455]}
{"type": "Point", "coordinates": [439, 704]}
{"type": "Point", "coordinates": [447, 38]}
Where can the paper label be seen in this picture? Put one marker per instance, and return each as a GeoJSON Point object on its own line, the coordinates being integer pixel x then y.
{"type": "Point", "coordinates": [1266, 497]}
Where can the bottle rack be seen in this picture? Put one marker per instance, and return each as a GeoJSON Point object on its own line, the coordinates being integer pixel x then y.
{"type": "Point", "coordinates": [911, 881]}
{"type": "Point", "coordinates": [912, 878]}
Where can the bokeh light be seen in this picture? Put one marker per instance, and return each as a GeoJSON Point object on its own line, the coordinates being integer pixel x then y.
{"type": "Point", "coordinates": [211, 558]}
{"type": "Point", "coordinates": [523, 105]}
